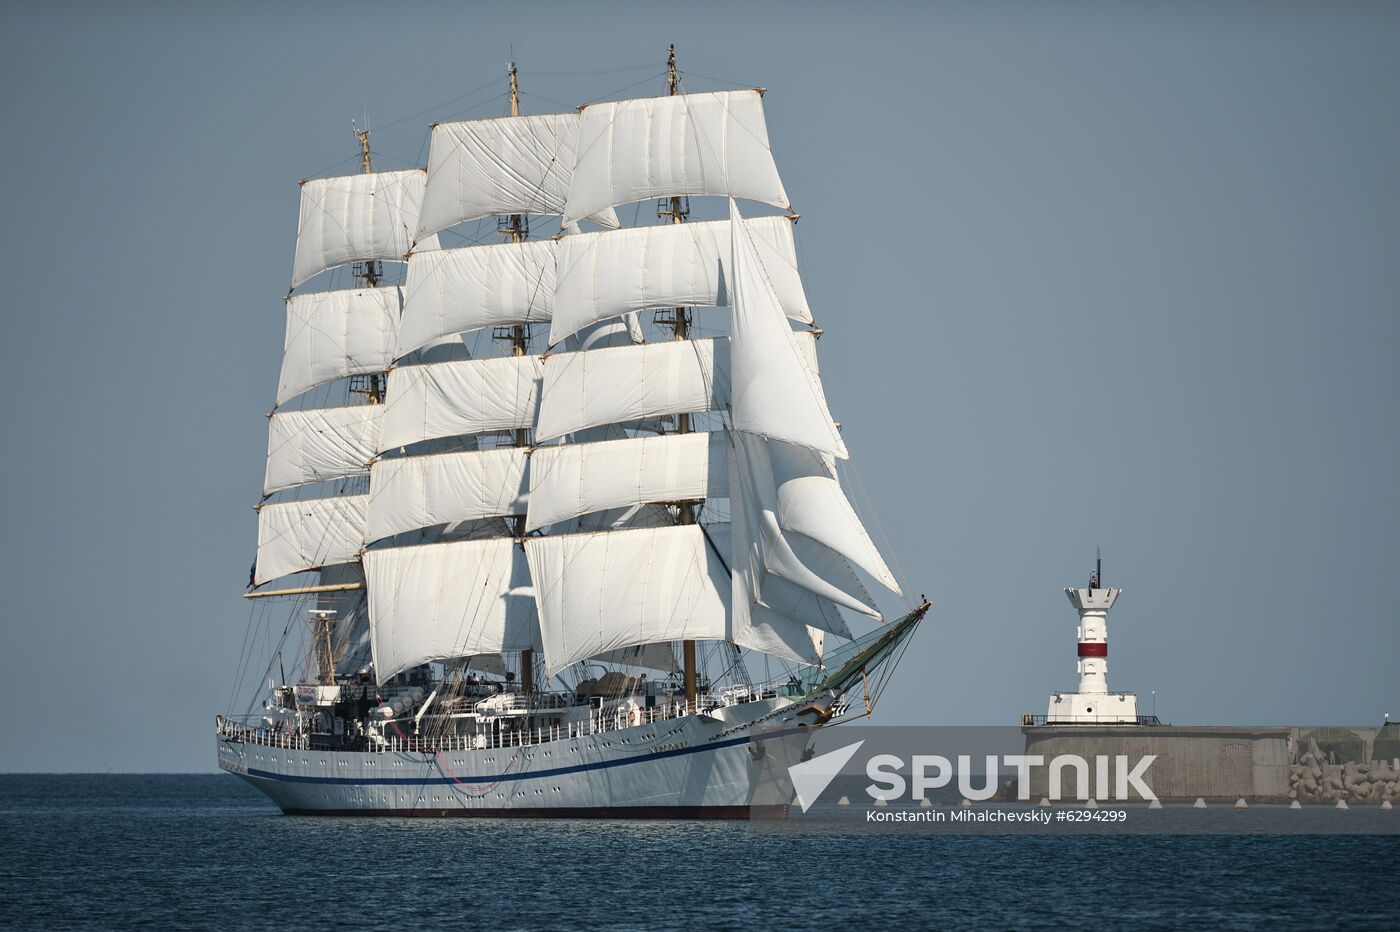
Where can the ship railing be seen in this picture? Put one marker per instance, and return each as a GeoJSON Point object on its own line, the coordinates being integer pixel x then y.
{"type": "Point", "coordinates": [267, 735]}
{"type": "Point", "coordinates": [598, 722]}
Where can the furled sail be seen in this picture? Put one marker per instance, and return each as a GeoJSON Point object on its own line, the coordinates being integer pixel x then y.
{"type": "Point", "coordinates": [353, 218]}
{"type": "Point", "coordinates": [319, 444]}
{"type": "Point", "coordinates": [689, 144]}
{"type": "Point", "coordinates": [504, 165]}
{"type": "Point", "coordinates": [603, 275]}
{"type": "Point", "coordinates": [298, 536]}
{"type": "Point", "coordinates": [461, 397]}
{"type": "Point", "coordinates": [455, 290]}
{"type": "Point", "coordinates": [333, 334]}
{"type": "Point", "coordinates": [776, 393]}
{"type": "Point", "coordinates": [409, 492]}
{"type": "Point", "coordinates": [576, 479]}
{"type": "Point", "coordinates": [436, 601]}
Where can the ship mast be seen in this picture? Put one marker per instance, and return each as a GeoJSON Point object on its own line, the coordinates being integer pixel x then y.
{"type": "Point", "coordinates": [516, 231]}
{"type": "Point", "coordinates": [367, 274]}
{"type": "Point", "coordinates": [678, 210]}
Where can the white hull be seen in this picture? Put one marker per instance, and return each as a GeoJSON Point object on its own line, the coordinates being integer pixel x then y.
{"type": "Point", "coordinates": [697, 766]}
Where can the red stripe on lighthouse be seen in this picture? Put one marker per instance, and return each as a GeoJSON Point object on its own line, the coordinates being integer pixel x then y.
{"type": "Point", "coordinates": [1099, 649]}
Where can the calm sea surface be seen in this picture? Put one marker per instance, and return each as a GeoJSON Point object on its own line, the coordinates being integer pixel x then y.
{"type": "Point", "coordinates": [209, 852]}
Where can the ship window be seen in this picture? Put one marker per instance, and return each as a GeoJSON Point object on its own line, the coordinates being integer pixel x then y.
{"type": "Point", "coordinates": [1089, 709]}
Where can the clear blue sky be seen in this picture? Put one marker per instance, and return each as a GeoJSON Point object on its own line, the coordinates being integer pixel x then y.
{"type": "Point", "coordinates": [1118, 274]}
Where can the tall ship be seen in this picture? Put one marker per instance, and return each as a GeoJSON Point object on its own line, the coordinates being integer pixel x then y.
{"type": "Point", "coordinates": [553, 521]}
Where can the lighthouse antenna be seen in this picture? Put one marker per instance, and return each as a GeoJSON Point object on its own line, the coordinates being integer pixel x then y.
{"type": "Point", "coordinates": [1098, 564]}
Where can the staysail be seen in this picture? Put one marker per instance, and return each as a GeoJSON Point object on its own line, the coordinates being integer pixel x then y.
{"type": "Point", "coordinates": [776, 393]}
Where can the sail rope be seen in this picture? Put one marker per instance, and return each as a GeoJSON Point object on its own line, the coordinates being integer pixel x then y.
{"type": "Point", "coordinates": [849, 467]}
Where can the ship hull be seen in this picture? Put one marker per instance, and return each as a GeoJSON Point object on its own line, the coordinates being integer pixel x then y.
{"type": "Point", "coordinates": [694, 767]}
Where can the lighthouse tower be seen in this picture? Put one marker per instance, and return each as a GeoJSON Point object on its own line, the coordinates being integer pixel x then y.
{"type": "Point", "coordinates": [1093, 704]}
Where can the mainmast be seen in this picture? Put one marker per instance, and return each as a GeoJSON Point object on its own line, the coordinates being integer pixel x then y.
{"type": "Point", "coordinates": [516, 231]}
{"type": "Point", "coordinates": [678, 210]}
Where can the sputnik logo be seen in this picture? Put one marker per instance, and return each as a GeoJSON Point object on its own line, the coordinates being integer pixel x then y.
{"type": "Point", "coordinates": [811, 777]}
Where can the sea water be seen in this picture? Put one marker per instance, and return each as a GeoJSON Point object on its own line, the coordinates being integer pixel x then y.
{"type": "Point", "coordinates": [209, 852]}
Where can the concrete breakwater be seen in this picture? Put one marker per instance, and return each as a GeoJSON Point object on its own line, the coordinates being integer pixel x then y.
{"type": "Point", "coordinates": [1317, 778]}
{"type": "Point", "coordinates": [1226, 763]}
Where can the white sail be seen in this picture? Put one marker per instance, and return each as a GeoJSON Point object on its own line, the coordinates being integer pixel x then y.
{"type": "Point", "coordinates": [581, 478]}
{"type": "Point", "coordinates": [797, 603]}
{"type": "Point", "coordinates": [755, 625]}
{"type": "Point", "coordinates": [603, 275]}
{"type": "Point", "coordinates": [624, 384]}
{"type": "Point", "coordinates": [690, 144]}
{"type": "Point", "coordinates": [761, 546]}
{"type": "Point", "coordinates": [503, 165]}
{"type": "Point", "coordinates": [354, 218]}
{"type": "Point", "coordinates": [811, 502]}
{"type": "Point", "coordinates": [461, 397]}
{"type": "Point", "coordinates": [615, 589]}
{"type": "Point", "coordinates": [776, 393]}
{"type": "Point", "coordinates": [319, 444]}
{"type": "Point", "coordinates": [297, 536]}
{"type": "Point", "coordinates": [410, 492]}
{"type": "Point", "coordinates": [436, 601]}
{"type": "Point", "coordinates": [351, 619]}
{"type": "Point", "coordinates": [333, 334]}
{"type": "Point", "coordinates": [652, 656]}
{"type": "Point", "coordinates": [455, 290]}
{"type": "Point", "coordinates": [628, 383]}
{"type": "Point", "coordinates": [493, 664]}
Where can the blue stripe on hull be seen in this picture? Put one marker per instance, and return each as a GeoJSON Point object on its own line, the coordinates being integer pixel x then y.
{"type": "Point", "coordinates": [494, 778]}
